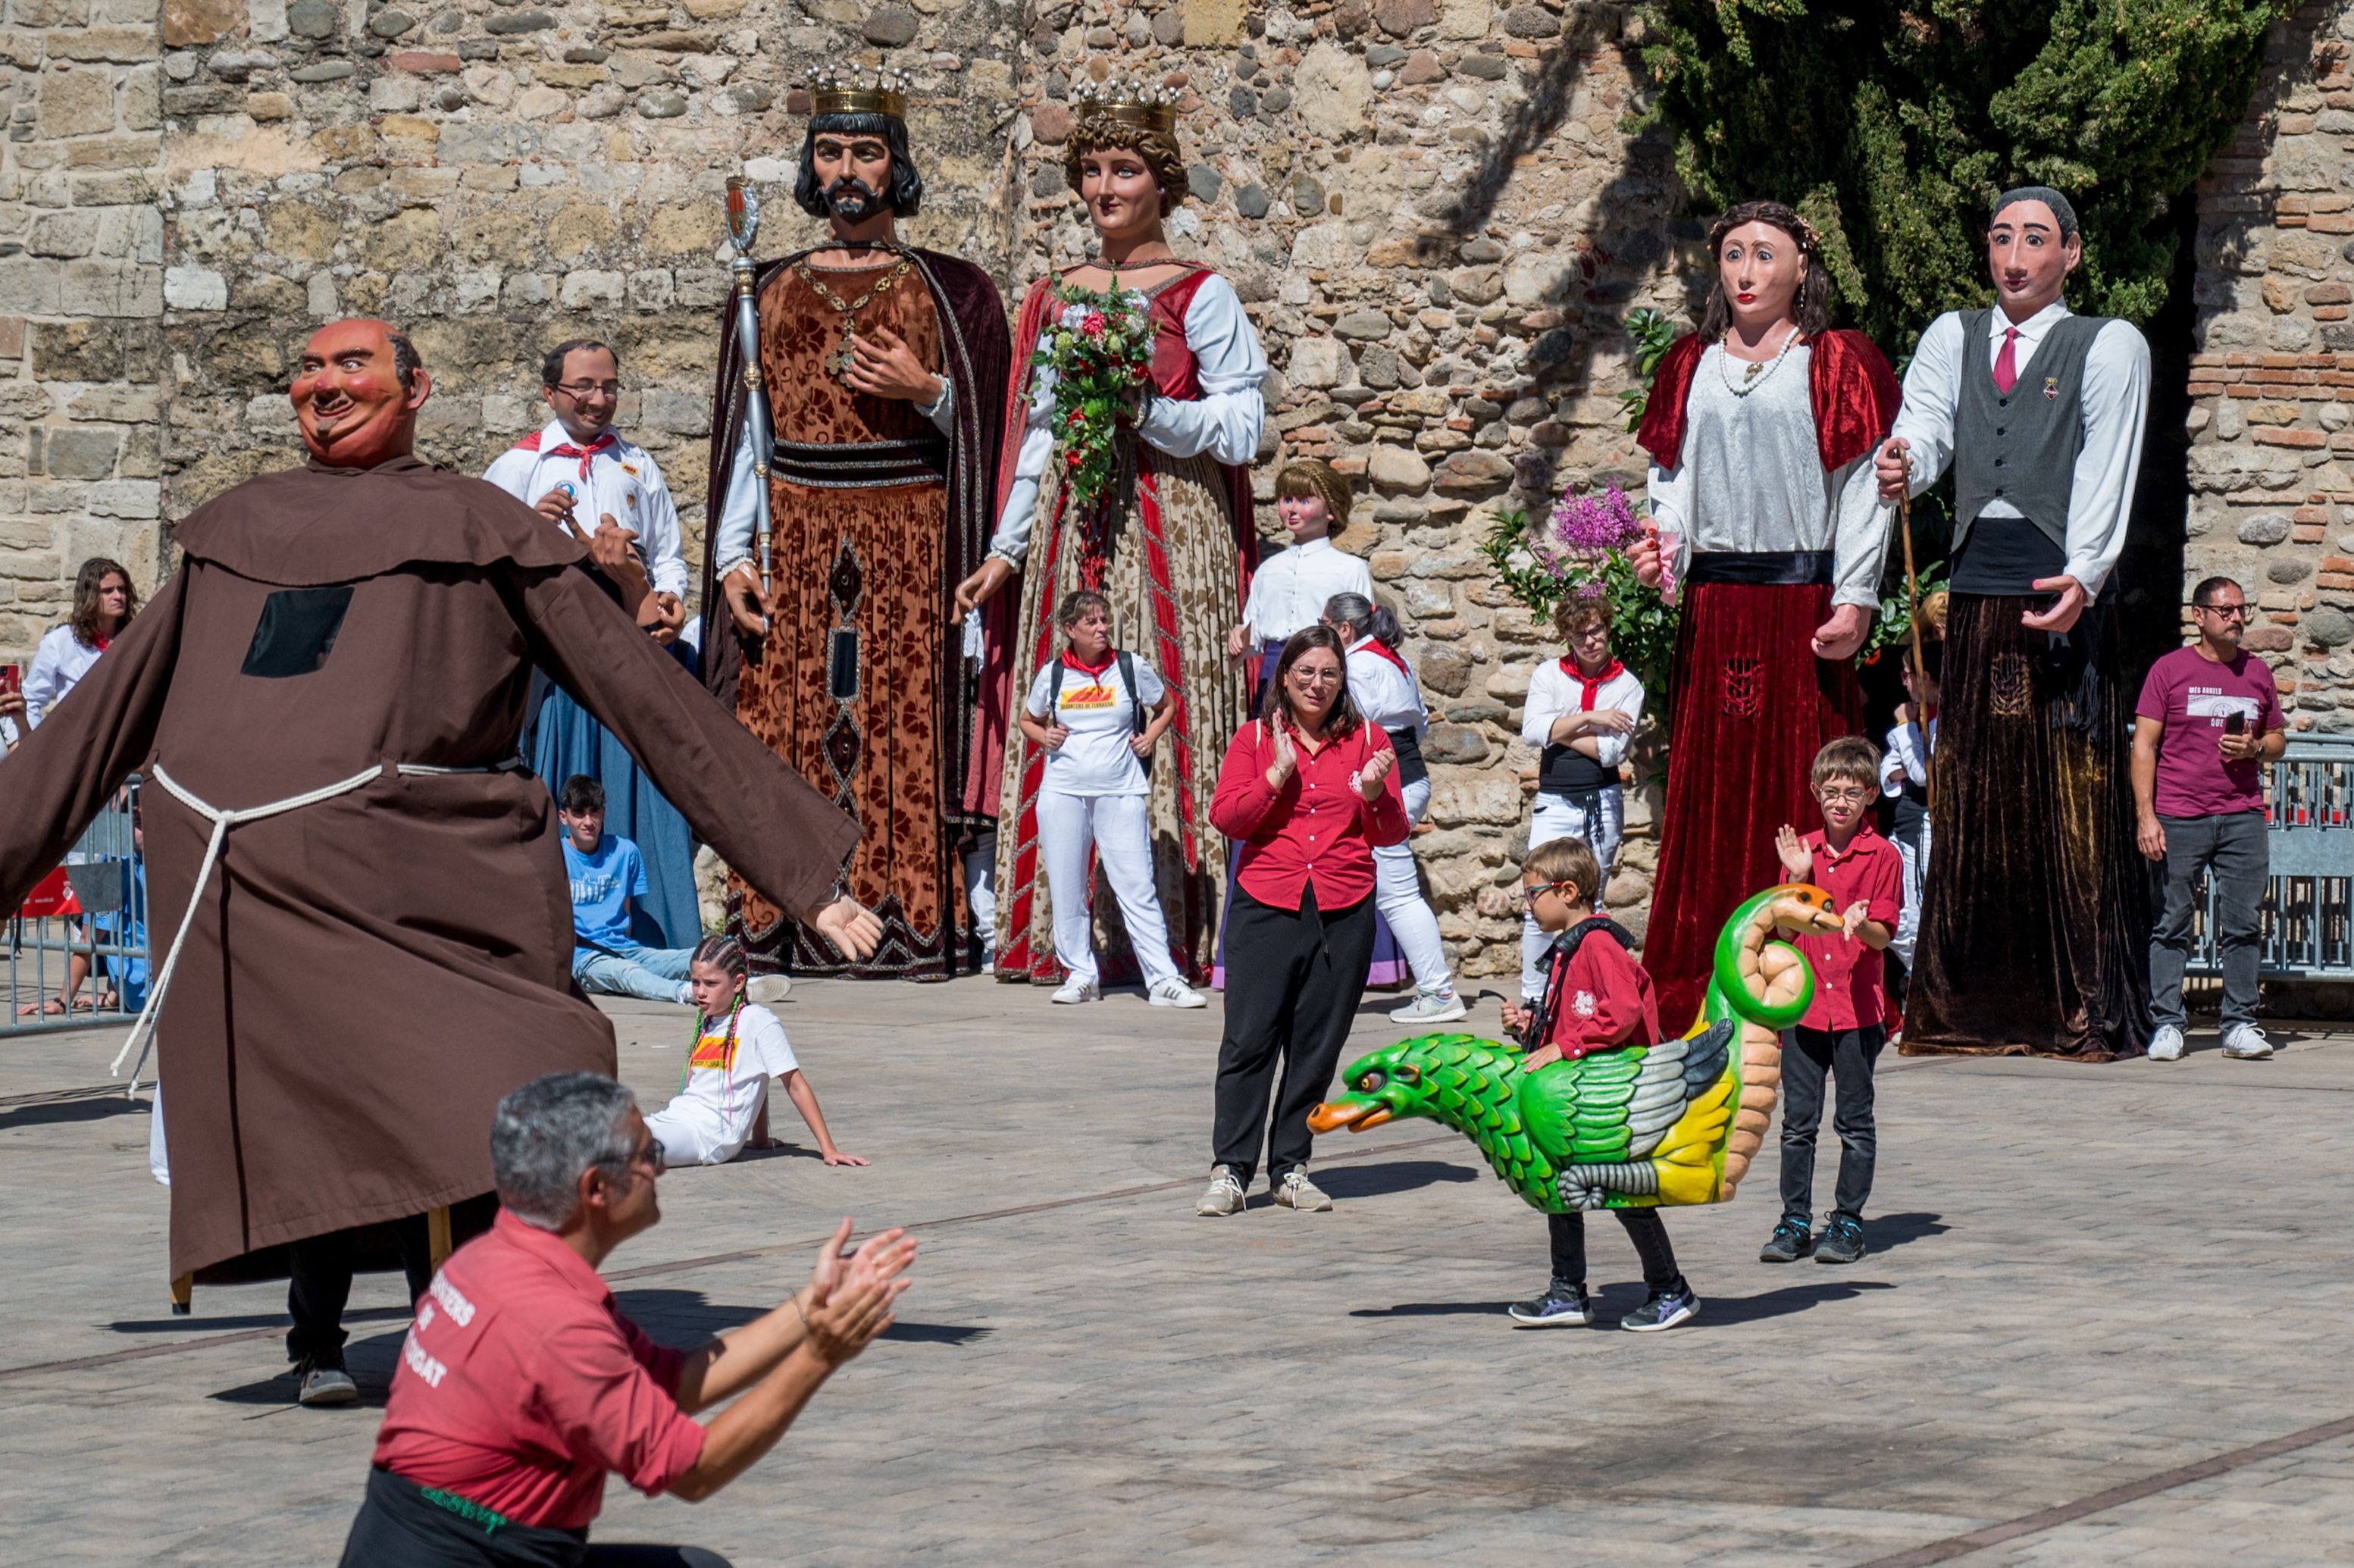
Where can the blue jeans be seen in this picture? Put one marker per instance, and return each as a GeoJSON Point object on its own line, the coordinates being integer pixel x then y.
{"type": "Point", "coordinates": [653, 973]}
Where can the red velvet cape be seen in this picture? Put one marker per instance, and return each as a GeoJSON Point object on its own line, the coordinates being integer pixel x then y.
{"type": "Point", "coordinates": [1853, 391]}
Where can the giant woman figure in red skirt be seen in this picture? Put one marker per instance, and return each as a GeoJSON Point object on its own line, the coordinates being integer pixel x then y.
{"type": "Point", "coordinates": [1764, 507]}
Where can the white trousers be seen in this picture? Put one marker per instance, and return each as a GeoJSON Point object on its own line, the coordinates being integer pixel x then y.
{"type": "Point", "coordinates": [1398, 894]}
{"type": "Point", "coordinates": [1118, 828]}
{"type": "Point", "coordinates": [1916, 870]}
{"type": "Point", "coordinates": [980, 890]}
{"type": "Point", "coordinates": [1559, 817]}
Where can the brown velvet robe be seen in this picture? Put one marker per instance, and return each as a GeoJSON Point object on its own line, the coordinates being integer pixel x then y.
{"type": "Point", "coordinates": [369, 975]}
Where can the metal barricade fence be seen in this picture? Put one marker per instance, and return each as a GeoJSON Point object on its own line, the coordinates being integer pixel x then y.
{"type": "Point", "coordinates": [2307, 922]}
{"type": "Point", "coordinates": [108, 937]}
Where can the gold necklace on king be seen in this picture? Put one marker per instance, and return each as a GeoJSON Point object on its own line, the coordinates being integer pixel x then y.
{"type": "Point", "coordinates": [845, 354]}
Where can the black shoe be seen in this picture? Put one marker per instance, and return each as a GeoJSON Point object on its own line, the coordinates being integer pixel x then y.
{"type": "Point", "coordinates": [1789, 1244]}
{"type": "Point", "coordinates": [1563, 1306]}
{"type": "Point", "coordinates": [1842, 1241]}
{"type": "Point", "coordinates": [1662, 1311]}
{"type": "Point", "coordinates": [316, 1385]}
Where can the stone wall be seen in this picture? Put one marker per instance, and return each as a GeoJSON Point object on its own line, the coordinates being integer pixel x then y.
{"type": "Point", "coordinates": [1428, 205]}
{"type": "Point", "coordinates": [81, 285]}
{"type": "Point", "coordinates": [2272, 421]}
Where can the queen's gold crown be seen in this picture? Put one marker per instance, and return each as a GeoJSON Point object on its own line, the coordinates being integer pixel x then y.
{"type": "Point", "coordinates": [1130, 102]}
{"type": "Point", "coordinates": [856, 89]}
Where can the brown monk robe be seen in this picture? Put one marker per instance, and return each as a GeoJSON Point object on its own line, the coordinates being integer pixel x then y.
{"type": "Point", "coordinates": [366, 976]}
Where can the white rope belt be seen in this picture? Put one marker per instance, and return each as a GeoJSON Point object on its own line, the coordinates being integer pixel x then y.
{"type": "Point", "coordinates": [142, 1032]}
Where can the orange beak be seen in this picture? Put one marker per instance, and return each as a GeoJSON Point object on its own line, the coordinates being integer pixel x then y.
{"type": "Point", "coordinates": [1331, 1117]}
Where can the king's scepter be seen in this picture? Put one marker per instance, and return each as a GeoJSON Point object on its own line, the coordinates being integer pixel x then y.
{"type": "Point", "coordinates": [743, 227]}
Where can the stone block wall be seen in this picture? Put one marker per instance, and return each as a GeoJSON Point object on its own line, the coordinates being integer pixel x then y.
{"type": "Point", "coordinates": [82, 283]}
{"type": "Point", "coordinates": [1430, 207]}
{"type": "Point", "coordinates": [2271, 423]}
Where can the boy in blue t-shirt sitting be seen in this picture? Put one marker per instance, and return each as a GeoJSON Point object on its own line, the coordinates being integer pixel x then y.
{"type": "Point", "coordinates": [606, 871]}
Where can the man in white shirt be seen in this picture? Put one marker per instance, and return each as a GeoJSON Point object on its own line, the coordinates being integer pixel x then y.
{"type": "Point", "coordinates": [2033, 933]}
{"type": "Point", "coordinates": [608, 493]}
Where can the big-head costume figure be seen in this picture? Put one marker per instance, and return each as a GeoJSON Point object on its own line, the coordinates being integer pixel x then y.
{"type": "Point", "coordinates": [885, 370]}
{"type": "Point", "coordinates": [374, 930]}
{"type": "Point", "coordinates": [2035, 924]}
{"type": "Point", "coordinates": [1760, 429]}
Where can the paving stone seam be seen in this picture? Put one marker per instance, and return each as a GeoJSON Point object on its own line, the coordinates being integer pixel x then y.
{"type": "Point", "coordinates": [1962, 1546]}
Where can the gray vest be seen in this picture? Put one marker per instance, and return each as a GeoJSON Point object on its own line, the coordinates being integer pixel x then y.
{"type": "Point", "coordinates": [2021, 446]}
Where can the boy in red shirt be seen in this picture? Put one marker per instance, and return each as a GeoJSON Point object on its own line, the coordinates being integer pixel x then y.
{"type": "Point", "coordinates": [1596, 999]}
{"type": "Point", "coordinates": [1847, 1024]}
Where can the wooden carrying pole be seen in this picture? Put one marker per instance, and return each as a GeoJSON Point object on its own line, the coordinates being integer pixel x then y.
{"type": "Point", "coordinates": [1912, 614]}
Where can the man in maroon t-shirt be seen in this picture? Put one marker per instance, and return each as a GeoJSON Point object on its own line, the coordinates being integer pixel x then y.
{"type": "Point", "coordinates": [521, 1385]}
{"type": "Point", "coordinates": [2208, 720]}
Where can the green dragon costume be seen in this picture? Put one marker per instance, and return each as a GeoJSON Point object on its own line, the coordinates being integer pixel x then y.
{"type": "Point", "coordinates": [1671, 1123]}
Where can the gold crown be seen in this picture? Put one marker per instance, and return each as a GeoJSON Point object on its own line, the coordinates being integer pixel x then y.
{"type": "Point", "coordinates": [855, 90]}
{"type": "Point", "coordinates": [1130, 102]}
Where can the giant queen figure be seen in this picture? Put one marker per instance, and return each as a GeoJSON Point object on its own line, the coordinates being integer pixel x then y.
{"type": "Point", "coordinates": [1173, 545]}
{"type": "Point", "coordinates": [880, 368]}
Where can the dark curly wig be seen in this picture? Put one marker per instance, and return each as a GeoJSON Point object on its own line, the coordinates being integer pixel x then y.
{"type": "Point", "coordinates": [1099, 132]}
{"type": "Point", "coordinates": [1811, 309]}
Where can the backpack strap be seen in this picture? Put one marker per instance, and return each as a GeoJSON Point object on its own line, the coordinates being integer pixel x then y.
{"type": "Point", "coordinates": [1054, 692]}
{"type": "Point", "coordinates": [1128, 679]}
{"type": "Point", "coordinates": [1562, 950]}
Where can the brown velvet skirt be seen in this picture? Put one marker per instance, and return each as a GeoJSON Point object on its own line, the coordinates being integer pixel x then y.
{"type": "Point", "coordinates": [2035, 919]}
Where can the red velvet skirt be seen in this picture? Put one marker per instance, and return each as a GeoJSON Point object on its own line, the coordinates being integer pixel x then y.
{"type": "Point", "coordinates": [1752, 706]}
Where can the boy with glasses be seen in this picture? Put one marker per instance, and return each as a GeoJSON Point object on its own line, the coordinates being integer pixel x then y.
{"type": "Point", "coordinates": [1844, 1028]}
{"type": "Point", "coordinates": [2208, 720]}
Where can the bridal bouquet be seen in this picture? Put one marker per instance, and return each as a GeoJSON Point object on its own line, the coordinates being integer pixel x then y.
{"type": "Point", "coordinates": [1099, 348]}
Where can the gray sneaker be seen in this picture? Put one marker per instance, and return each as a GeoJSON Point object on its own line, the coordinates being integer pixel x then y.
{"type": "Point", "coordinates": [1224, 1195]}
{"type": "Point", "coordinates": [1445, 1007]}
{"type": "Point", "coordinates": [318, 1385]}
{"type": "Point", "coordinates": [1297, 1191]}
{"type": "Point", "coordinates": [2165, 1045]}
{"type": "Point", "coordinates": [2246, 1043]}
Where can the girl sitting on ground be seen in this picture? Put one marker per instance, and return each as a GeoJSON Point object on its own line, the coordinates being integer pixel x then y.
{"type": "Point", "coordinates": [722, 1106]}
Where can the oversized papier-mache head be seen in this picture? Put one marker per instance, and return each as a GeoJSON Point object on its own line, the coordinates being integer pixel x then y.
{"type": "Point", "coordinates": [851, 104]}
{"type": "Point", "coordinates": [1138, 116]}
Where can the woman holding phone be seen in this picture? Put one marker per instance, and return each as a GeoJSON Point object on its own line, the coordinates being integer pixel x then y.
{"type": "Point", "coordinates": [1310, 789]}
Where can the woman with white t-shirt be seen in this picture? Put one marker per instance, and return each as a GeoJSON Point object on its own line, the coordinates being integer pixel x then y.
{"type": "Point", "coordinates": [722, 1106]}
{"type": "Point", "coordinates": [1088, 711]}
{"type": "Point", "coordinates": [105, 603]}
{"type": "Point", "coordinates": [1385, 689]}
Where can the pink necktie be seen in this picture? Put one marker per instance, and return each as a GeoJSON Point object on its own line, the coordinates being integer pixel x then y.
{"type": "Point", "coordinates": [2005, 367]}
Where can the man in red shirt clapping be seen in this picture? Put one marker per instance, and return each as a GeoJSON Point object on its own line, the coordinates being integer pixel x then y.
{"type": "Point", "coordinates": [520, 1383]}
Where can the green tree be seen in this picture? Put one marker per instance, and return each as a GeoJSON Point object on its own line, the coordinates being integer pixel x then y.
{"type": "Point", "coordinates": [1892, 126]}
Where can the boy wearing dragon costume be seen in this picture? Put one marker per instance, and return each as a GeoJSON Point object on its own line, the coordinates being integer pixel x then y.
{"type": "Point", "coordinates": [1595, 999]}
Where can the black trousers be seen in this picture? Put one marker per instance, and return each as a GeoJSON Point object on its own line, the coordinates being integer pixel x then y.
{"type": "Point", "coordinates": [1293, 981]}
{"type": "Point", "coordinates": [1846, 1055]}
{"type": "Point", "coordinates": [319, 1276]}
{"type": "Point", "coordinates": [400, 1525]}
{"type": "Point", "coordinates": [1644, 1228]}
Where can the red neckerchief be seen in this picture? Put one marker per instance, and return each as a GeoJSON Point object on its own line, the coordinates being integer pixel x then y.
{"type": "Point", "coordinates": [1589, 690]}
{"type": "Point", "coordinates": [1092, 671]}
{"type": "Point", "coordinates": [1375, 645]}
{"type": "Point", "coordinates": [586, 454]}
{"type": "Point", "coordinates": [102, 644]}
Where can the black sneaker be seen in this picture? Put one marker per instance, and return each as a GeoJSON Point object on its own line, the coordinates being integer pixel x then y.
{"type": "Point", "coordinates": [1842, 1241]}
{"type": "Point", "coordinates": [317, 1386]}
{"type": "Point", "coordinates": [1662, 1311]}
{"type": "Point", "coordinates": [1563, 1306]}
{"type": "Point", "coordinates": [1789, 1244]}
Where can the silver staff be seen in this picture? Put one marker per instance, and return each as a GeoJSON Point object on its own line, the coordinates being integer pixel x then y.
{"type": "Point", "coordinates": [743, 225]}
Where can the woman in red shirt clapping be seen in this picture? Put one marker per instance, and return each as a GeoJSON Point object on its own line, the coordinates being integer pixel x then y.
{"type": "Point", "coordinates": [1310, 789]}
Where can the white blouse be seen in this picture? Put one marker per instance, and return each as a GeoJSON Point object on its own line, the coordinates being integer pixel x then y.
{"type": "Point", "coordinates": [61, 659]}
{"type": "Point", "coordinates": [1386, 696]}
{"type": "Point", "coordinates": [1553, 692]}
{"type": "Point", "coordinates": [1291, 587]}
{"type": "Point", "coordinates": [1225, 421]}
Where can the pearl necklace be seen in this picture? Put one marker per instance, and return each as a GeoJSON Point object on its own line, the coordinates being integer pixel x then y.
{"type": "Point", "coordinates": [1756, 375]}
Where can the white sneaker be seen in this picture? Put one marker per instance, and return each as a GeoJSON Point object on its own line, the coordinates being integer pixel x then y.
{"type": "Point", "coordinates": [2165, 1045]}
{"type": "Point", "coordinates": [1076, 989]}
{"type": "Point", "coordinates": [1445, 1007]}
{"type": "Point", "coordinates": [1297, 1191]}
{"type": "Point", "coordinates": [1224, 1195]}
{"type": "Point", "coordinates": [2246, 1043]}
{"type": "Point", "coordinates": [1176, 993]}
{"type": "Point", "coordinates": [766, 988]}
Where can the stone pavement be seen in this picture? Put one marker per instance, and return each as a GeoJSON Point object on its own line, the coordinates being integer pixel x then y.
{"type": "Point", "coordinates": [2083, 1278]}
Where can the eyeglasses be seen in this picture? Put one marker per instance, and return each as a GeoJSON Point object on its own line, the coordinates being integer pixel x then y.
{"type": "Point", "coordinates": [1848, 795]}
{"type": "Point", "coordinates": [653, 1156]}
{"type": "Point", "coordinates": [1529, 895]}
{"type": "Point", "coordinates": [581, 391]}
{"type": "Point", "coordinates": [2224, 611]}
